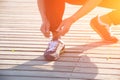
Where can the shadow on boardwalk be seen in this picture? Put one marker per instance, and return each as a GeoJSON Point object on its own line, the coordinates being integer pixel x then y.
{"type": "Point", "coordinates": [38, 69]}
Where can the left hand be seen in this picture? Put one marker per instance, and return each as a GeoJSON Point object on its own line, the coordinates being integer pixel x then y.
{"type": "Point", "coordinates": [64, 26]}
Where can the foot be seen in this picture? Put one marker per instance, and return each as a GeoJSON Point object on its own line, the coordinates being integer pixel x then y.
{"type": "Point", "coordinates": [102, 30]}
{"type": "Point", "coordinates": [55, 48]}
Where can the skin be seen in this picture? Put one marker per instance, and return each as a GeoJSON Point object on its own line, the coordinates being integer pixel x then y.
{"type": "Point", "coordinates": [66, 23]}
{"type": "Point", "coordinates": [45, 23]}
{"type": "Point", "coordinates": [86, 8]}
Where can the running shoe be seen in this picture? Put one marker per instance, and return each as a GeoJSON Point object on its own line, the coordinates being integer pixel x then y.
{"type": "Point", "coordinates": [55, 48]}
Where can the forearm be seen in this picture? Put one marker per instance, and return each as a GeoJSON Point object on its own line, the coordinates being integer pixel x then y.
{"type": "Point", "coordinates": [41, 7]}
{"type": "Point", "coordinates": [86, 8]}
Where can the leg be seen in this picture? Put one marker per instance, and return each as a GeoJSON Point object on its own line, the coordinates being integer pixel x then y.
{"type": "Point", "coordinates": [57, 8]}
{"type": "Point", "coordinates": [101, 24]}
{"type": "Point", "coordinates": [112, 4]}
{"type": "Point", "coordinates": [76, 2]}
{"type": "Point", "coordinates": [102, 29]}
{"type": "Point", "coordinates": [54, 13]}
{"type": "Point", "coordinates": [115, 17]}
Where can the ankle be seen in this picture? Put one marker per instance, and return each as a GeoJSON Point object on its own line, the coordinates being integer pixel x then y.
{"type": "Point", "coordinates": [56, 36]}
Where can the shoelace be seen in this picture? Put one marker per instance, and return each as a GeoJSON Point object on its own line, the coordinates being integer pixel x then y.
{"type": "Point", "coordinates": [52, 45]}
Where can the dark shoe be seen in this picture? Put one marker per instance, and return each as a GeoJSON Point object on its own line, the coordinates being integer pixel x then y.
{"type": "Point", "coordinates": [102, 30]}
{"type": "Point", "coordinates": [55, 48]}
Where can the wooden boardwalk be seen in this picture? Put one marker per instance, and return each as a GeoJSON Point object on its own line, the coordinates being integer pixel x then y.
{"type": "Point", "coordinates": [22, 45]}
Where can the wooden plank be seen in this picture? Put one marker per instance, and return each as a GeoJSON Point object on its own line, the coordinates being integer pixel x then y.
{"type": "Point", "coordinates": [61, 63]}
{"type": "Point", "coordinates": [35, 73]}
{"type": "Point", "coordinates": [69, 44]}
{"type": "Point", "coordinates": [32, 62]}
{"type": "Point", "coordinates": [95, 76]}
{"type": "Point", "coordinates": [76, 54]}
{"type": "Point", "coordinates": [79, 79]}
{"type": "Point", "coordinates": [35, 57]}
{"type": "Point", "coordinates": [57, 74]}
{"type": "Point", "coordinates": [29, 78]}
{"type": "Point", "coordinates": [108, 55]}
{"type": "Point", "coordinates": [111, 71]}
{"type": "Point", "coordinates": [37, 68]}
{"type": "Point", "coordinates": [96, 70]}
{"type": "Point", "coordinates": [99, 65]}
{"type": "Point", "coordinates": [80, 59]}
{"type": "Point", "coordinates": [22, 46]}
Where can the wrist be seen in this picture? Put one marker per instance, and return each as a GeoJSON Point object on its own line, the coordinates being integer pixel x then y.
{"type": "Point", "coordinates": [44, 20]}
{"type": "Point", "coordinates": [73, 19]}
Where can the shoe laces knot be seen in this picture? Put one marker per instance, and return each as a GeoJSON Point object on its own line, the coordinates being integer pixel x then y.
{"type": "Point", "coordinates": [52, 45]}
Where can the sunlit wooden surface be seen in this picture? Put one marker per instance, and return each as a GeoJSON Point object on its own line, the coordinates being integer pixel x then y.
{"type": "Point", "coordinates": [22, 46]}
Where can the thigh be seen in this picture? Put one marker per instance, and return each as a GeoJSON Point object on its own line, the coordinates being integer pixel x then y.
{"type": "Point", "coordinates": [76, 2]}
{"type": "Point", "coordinates": [115, 16]}
{"type": "Point", "coordinates": [54, 11]}
{"type": "Point", "coordinates": [113, 4]}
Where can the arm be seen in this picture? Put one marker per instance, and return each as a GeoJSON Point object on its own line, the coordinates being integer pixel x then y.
{"type": "Point", "coordinates": [41, 7]}
{"type": "Point", "coordinates": [45, 23]}
{"type": "Point", "coordinates": [86, 8]}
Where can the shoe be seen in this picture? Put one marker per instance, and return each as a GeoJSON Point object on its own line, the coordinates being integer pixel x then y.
{"type": "Point", "coordinates": [55, 48]}
{"type": "Point", "coordinates": [102, 30]}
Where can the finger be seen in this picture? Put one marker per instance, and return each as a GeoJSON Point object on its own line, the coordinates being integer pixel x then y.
{"type": "Point", "coordinates": [45, 32]}
{"type": "Point", "coordinates": [61, 32]}
{"type": "Point", "coordinates": [42, 29]}
{"type": "Point", "coordinates": [65, 30]}
{"type": "Point", "coordinates": [60, 27]}
{"type": "Point", "coordinates": [47, 29]}
{"type": "Point", "coordinates": [47, 35]}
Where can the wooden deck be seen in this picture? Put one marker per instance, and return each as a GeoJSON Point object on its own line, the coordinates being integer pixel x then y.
{"type": "Point", "coordinates": [22, 45]}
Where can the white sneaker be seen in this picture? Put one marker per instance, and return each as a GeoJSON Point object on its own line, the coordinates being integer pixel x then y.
{"type": "Point", "coordinates": [55, 48]}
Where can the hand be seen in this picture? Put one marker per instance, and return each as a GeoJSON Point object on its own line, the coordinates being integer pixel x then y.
{"type": "Point", "coordinates": [65, 26]}
{"type": "Point", "coordinates": [45, 29]}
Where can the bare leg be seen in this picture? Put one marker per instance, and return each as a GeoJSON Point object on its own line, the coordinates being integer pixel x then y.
{"type": "Point", "coordinates": [114, 16]}
{"type": "Point", "coordinates": [54, 13]}
{"type": "Point", "coordinates": [101, 24]}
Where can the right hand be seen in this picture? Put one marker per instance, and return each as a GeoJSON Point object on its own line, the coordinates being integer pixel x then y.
{"type": "Point", "coordinates": [64, 27]}
{"type": "Point", "coordinates": [45, 29]}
